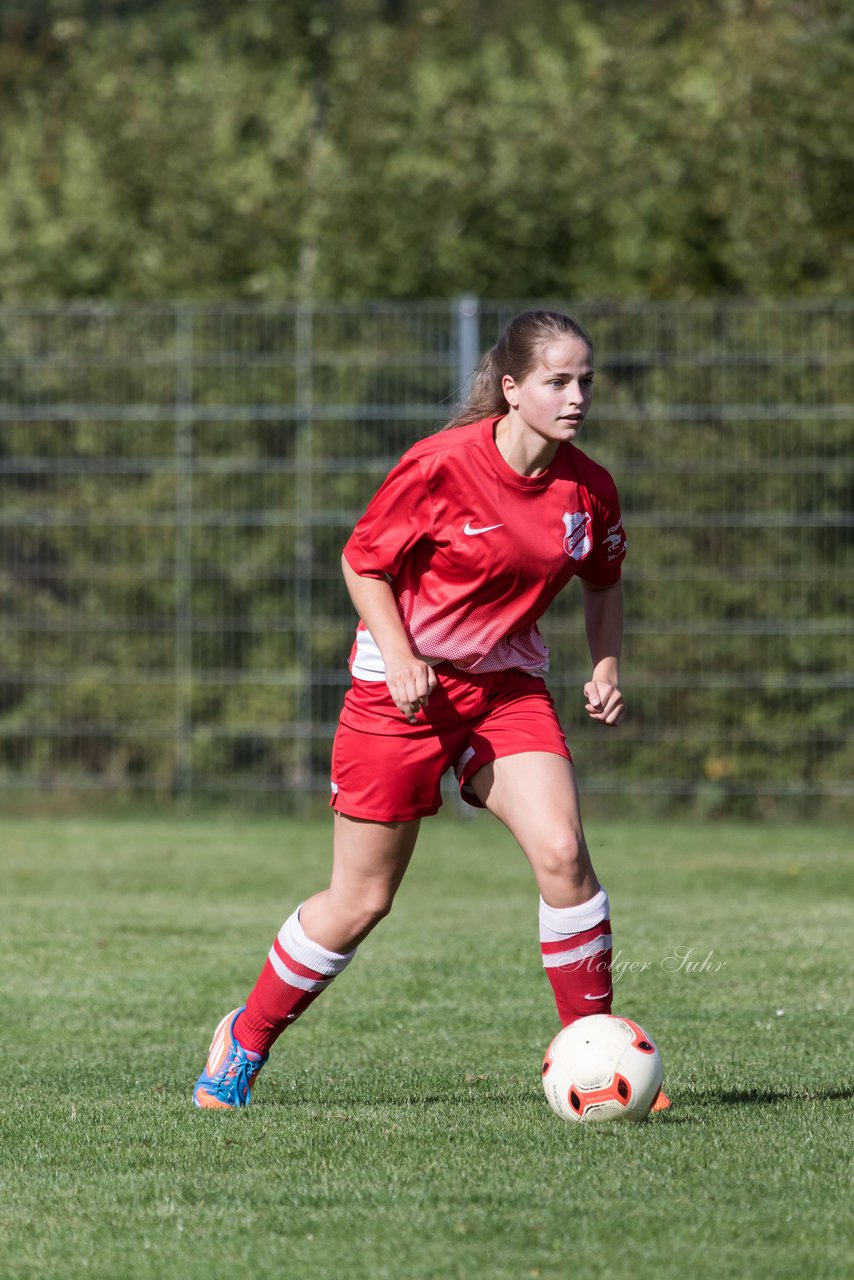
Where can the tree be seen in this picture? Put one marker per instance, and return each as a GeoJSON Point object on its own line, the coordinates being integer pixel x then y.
{"type": "Point", "coordinates": [375, 149]}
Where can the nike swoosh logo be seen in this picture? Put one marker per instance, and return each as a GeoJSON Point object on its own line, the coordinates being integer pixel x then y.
{"type": "Point", "coordinates": [471, 531]}
{"type": "Point", "coordinates": [602, 997]}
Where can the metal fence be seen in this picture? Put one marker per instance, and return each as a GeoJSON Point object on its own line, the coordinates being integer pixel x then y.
{"type": "Point", "coordinates": [177, 482]}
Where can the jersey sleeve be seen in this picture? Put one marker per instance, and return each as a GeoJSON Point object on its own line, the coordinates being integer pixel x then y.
{"type": "Point", "coordinates": [602, 568]}
{"type": "Point", "coordinates": [399, 515]}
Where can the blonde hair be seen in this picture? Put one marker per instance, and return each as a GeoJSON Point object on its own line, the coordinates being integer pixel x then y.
{"type": "Point", "coordinates": [516, 352]}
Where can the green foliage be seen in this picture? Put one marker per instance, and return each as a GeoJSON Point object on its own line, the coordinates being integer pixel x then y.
{"type": "Point", "coordinates": [366, 149]}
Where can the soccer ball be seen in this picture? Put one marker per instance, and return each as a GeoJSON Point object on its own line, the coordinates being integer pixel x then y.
{"type": "Point", "coordinates": [602, 1068]}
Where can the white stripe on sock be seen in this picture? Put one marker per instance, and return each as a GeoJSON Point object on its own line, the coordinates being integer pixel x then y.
{"type": "Point", "coordinates": [296, 979]}
{"type": "Point", "coordinates": [301, 948]}
{"type": "Point", "coordinates": [593, 948]}
{"type": "Point", "coordinates": [557, 923]}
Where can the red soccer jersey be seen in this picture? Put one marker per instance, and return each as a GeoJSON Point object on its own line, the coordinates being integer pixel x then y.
{"type": "Point", "coordinates": [475, 553]}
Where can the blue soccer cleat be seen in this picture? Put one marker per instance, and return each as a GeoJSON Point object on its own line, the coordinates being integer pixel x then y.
{"type": "Point", "coordinates": [230, 1070]}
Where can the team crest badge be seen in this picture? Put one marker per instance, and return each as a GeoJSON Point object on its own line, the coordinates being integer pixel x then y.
{"type": "Point", "coordinates": [577, 541]}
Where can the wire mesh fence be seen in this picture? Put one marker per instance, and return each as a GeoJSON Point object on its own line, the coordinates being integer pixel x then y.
{"type": "Point", "coordinates": [177, 483]}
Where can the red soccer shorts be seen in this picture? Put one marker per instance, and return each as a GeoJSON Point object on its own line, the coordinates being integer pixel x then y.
{"type": "Point", "coordinates": [387, 770]}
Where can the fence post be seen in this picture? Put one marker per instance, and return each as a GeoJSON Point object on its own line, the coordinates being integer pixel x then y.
{"type": "Point", "coordinates": [183, 745]}
{"type": "Point", "coordinates": [468, 342]}
{"type": "Point", "coordinates": [304, 553]}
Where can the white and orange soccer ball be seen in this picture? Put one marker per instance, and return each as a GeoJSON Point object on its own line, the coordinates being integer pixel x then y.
{"type": "Point", "coordinates": [602, 1068]}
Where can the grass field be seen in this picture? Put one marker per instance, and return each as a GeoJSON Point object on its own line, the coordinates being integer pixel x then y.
{"type": "Point", "coordinates": [400, 1129]}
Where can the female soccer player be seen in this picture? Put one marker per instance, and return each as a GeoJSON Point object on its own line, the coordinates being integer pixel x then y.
{"type": "Point", "coordinates": [460, 552]}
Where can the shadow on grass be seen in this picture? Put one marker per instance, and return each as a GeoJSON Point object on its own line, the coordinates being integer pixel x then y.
{"type": "Point", "coordinates": [770, 1097]}
{"type": "Point", "coordinates": [411, 1099]}
{"type": "Point", "coordinates": [504, 1097]}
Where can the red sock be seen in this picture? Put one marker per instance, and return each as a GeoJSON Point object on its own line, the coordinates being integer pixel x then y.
{"type": "Point", "coordinates": [296, 971]}
{"type": "Point", "coordinates": [576, 947]}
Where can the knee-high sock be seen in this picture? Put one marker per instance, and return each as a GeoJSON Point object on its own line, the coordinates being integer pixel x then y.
{"type": "Point", "coordinates": [296, 971]}
{"type": "Point", "coordinates": [576, 947]}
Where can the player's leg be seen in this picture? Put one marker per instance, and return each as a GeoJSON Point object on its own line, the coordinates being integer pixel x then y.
{"type": "Point", "coordinates": [316, 942]}
{"type": "Point", "coordinates": [386, 776]}
{"type": "Point", "coordinates": [534, 793]}
{"type": "Point", "coordinates": [319, 939]}
{"type": "Point", "coordinates": [368, 864]}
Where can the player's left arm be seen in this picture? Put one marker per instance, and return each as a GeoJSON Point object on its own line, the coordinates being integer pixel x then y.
{"type": "Point", "coordinates": [603, 619]}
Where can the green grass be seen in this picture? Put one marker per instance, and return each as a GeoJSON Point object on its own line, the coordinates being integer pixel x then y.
{"type": "Point", "coordinates": [400, 1129]}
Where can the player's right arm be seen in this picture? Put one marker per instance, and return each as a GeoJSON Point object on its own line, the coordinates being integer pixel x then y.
{"type": "Point", "coordinates": [410, 680]}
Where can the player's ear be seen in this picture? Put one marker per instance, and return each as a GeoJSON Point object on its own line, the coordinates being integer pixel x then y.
{"type": "Point", "coordinates": [511, 393]}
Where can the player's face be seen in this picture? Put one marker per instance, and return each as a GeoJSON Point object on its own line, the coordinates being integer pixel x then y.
{"type": "Point", "coordinates": [554, 398]}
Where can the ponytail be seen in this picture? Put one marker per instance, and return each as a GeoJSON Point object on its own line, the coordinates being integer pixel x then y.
{"type": "Point", "coordinates": [486, 397]}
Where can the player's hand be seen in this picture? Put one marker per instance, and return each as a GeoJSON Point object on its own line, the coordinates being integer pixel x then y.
{"type": "Point", "coordinates": [410, 683]}
{"type": "Point", "coordinates": [604, 702]}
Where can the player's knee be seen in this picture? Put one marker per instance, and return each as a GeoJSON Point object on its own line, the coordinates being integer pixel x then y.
{"type": "Point", "coordinates": [366, 915]}
{"type": "Point", "coordinates": [564, 856]}
{"type": "Point", "coordinates": [377, 911]}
